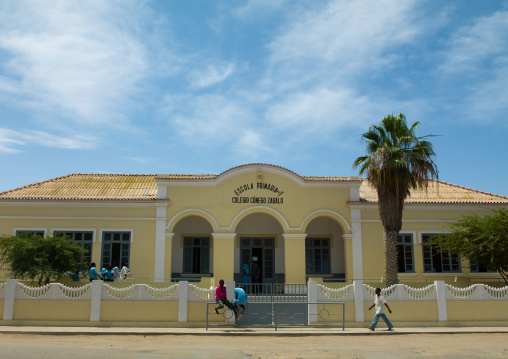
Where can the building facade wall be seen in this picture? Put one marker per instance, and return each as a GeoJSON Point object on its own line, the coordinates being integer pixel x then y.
{"type": "Point", "coordinates": [254, 202]}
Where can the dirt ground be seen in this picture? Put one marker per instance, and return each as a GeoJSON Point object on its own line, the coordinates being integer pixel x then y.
{"type": "Point", "coordinates": [215, 346]}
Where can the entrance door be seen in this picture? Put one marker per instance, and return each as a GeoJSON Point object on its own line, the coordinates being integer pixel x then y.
{"type": "Point", "coordinates": [261, 248]}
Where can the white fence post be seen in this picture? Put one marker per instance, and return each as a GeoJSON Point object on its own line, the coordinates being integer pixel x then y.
{"type": "Point", "coordinates": [10, 294]}
{"type": "Point", "coordinates": [230, 286]}
{"type": "Point", "coordinates": [312, 297]}
{"type": "Point", "coordinates": [358, 286]}
{"type": "Point", "coordinates": [95, 307]}
{"type": "Point", "coordinates": [441, 300]}
{"type": "Point", "coordinates": [183, 299]}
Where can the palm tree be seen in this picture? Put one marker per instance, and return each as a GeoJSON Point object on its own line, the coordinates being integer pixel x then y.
{"type": "Point", "coordinates": [396, 162]}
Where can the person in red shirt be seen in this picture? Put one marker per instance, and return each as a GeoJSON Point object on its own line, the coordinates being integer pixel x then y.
{"type": "Point", "coordinates": [221, 296]}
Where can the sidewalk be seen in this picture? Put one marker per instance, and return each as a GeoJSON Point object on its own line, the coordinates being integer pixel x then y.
{"type": "Point", "coordinates": [242, 331]}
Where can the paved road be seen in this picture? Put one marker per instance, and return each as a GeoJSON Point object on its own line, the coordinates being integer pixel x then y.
{"type": "Point", "coordinates": [222, 345]}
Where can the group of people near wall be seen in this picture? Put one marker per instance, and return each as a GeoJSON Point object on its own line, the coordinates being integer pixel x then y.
{"type": "Point", "coordinates": [109, 273]}
{"type": "Point", "coordinates": [251, 274]}
{"type": "Point", "coordinates": [240, 300]}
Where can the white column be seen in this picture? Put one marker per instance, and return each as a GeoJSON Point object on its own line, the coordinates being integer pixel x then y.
{"type": "Point", "coordinates": [183, 298]}
{"type": "Point", "coordinates": [442, 312]}
{"type": "Point", "coordinates": [312, 297]}
{"type": "Point", "coordinates": [358, 288]}
{"type": "Point", "coordinates": [95, 307]}
{"type": "Point", "coordinates": [10, 295]}
{"type": "Point", "coordinates": [160, 245]}
{"type": "Point", "coordinates": [356, 217]}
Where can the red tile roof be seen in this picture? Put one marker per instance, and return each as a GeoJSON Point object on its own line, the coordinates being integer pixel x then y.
{"type": "Point", "coordinates": [88, 187]}
{"type": "Point", "coordinates": [439, 192]}
{"type": "Point", "coordinates": [142, 187]}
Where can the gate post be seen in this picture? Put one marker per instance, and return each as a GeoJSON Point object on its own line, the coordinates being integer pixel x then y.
{"type": "Point", "coordinates": [95, 305]}
{"type": "Point", "coordinates": [312, 298]}
{"type": "Point", "coordinates": [230, 287]}
{"type": "Point", "coordinates": [441, 301]}
{"type": "Point", "coordinates": [10, 294]}
{"type": "Point", "coordinates": [358, 287]}
{"type": "Point", "coordinates": [183, 298]}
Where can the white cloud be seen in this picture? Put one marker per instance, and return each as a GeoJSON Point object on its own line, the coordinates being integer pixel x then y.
{"type": "Point", "coordinates": [321, 110]}
{"type": "Point", "coordinates": [8, 141]}
{"type": "Point", "coordinates": [141, 159]}
{"type": "Point", "coordinates": [346, 37]}
{"type": "Point", "coordinates": [211, 75]}
{"type": "Point", "coordinates": [11, 140]}
{"type": "Point", "coordinates": [486, 40]}
{"type": "Point", "coordinates": [478, 54]}
{"type": "Point", "coordinates": [77, 59]}
{"type": "Point", "coordinates": [256, 8]}
{"type": "Point", "coordinates": [487, 103]}
{"type": "Point", "coordinates": [207, 117]}
{"type": "Point", "coordinates": [251, 145]}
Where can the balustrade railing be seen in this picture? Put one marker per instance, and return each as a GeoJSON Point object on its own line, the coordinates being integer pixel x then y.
{"type": "Point", "coordinates": [184, 292]}
{"type": "Point", "coordinates": [344, 294]}
{"type": "Point", "coordinates": [139, 292]}
{"type": "Point", "coordinates": [53, 291]}
{"type": "Point", "coordinates": [197, 294]}
{"type": "Point", "coordinates": [401, 292]}
{"type": "Point", "coordinates": [476, 292]}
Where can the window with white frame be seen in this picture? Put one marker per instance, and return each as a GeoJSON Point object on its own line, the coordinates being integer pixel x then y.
{"type": "Point", "coordinates": [437, 261]}
{"type": "Point", "coordinates": [317, 255]}
{"type": "Point", "coordinates": [28, 231]}
{"type": "Point", "coordinates": [196, 255]}
{"type": "Point", "coordinates": [405, 253]}
{"type": "Point", "coordinates": [83, 238]}
{"type": "Point", "coordinates": [116, 248]}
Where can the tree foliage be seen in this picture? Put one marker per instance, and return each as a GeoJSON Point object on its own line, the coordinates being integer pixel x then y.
{"type": "Point", "coordinates": [483, 240]}
{"type": "Point", "coordinates": [396, 162]}
{"type": "Point", "coordinates": [35, 257]}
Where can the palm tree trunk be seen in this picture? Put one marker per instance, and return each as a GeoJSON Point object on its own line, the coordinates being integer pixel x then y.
{"type": "Point", "coordinates": [391, 258]}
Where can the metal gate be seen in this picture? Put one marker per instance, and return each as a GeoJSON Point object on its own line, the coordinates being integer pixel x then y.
{"type": "Point", "coordinates": [285, 314]}
{"type": "Point", "coordinates": [267, 301]}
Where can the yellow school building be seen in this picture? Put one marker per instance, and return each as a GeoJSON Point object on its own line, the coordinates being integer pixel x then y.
{"type": "Point", "coordinates": [177, 226]}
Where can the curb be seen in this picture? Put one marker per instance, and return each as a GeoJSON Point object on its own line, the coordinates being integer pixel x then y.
{"type": "Point", "coordinates": [233, 332]}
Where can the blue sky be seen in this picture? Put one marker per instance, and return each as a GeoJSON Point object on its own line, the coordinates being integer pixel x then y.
{"type": "Point", "coordinates": [202, 86]}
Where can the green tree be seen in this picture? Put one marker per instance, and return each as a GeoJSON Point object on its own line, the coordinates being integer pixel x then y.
{"type": "Point", "coordinates": [483, 240]}
{"type": "Point", "coordinates": [33, 256]}
{"type": "Point", "coordinates": [396, 162]}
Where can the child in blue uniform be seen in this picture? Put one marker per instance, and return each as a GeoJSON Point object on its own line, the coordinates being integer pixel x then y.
{"type": "Point", "coordinates": [240, 300]}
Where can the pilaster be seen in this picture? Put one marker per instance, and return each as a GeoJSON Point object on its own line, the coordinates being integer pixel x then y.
{"type": "Point", "coordinates": [224, 256]}
{"type": "Point", "coordinates": [294, 254]}
{"type": "Point", "coordinates": [160, 244]}
{"type": "Point", "coordinates": [348, 255]}
{"type": "Point", "coordinates": [356, 217]}
{"type": "Point", "coordinates": [169, 255]}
